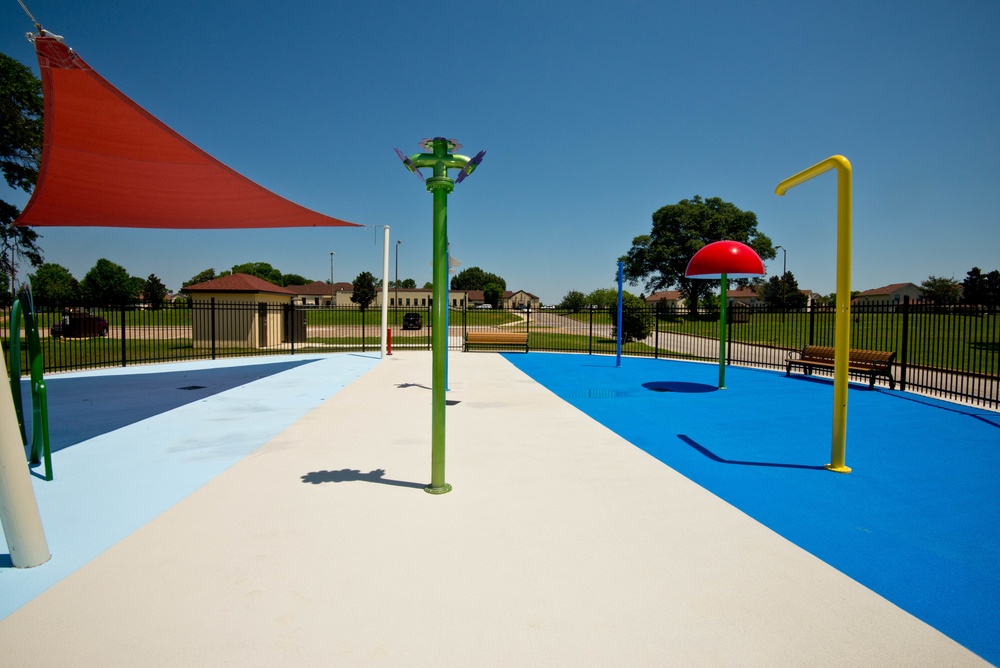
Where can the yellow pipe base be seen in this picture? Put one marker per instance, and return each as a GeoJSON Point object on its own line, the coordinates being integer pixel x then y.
{"type": "Point", "coordinates": [837, 469]}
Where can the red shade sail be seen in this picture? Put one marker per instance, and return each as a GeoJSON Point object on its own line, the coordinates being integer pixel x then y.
{"type": "Point", "coordinates": [732, 258]}
{"type": "Point", "coordinates": [107, 162]}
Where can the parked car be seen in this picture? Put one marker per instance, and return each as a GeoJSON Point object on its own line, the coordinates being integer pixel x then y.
{"type": "Point", "coordinates": [412, 321]}
{"type": "Point", "coordinates": [79, 326]}
{"type": "Point", "coordinates": [485, 306]}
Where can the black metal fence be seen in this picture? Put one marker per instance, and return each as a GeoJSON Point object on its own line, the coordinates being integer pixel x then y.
{"type": "Point", "coordinates": [950, 351]}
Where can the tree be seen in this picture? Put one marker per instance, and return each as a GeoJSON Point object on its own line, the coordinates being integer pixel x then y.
{"type": "Point", "coordinates": [154, 292]}
{"type": "Point", "coordinates": [982, 289]}
{"type": "Point", "coordinates": [404, 283]}
{"type": "Point", "coordinates": [260, 270]}
{"type": "Point", "coordinates": [492, 294]}
{"type": "Point", "coordinates": [603, 298]}
{"type": "Point", "coordinates": [293, 279]}
{"type": "Point", "coordinates": [6, 296]}
{"type": "Point", "coordinates": [679, 231]}
{"type": "Point", "coordinates": [637, 321]}
{"type": "Point", "coordinates": [782, 293]}
{"type": "Point", "coordinates": [940, 290]}
{"type": "Point", "coordinates": [107, 284]}
{"type": "Point", "coordinates": [428, 285]}
{"type": "Point", "coordinates": [364, 290]}
{"type": "Point", "coordinates": [475, 278]}
{"type": "Point", "coordinates": [200, 277]}
{"type": "Point", "coordinates": [574, 301]}
{"type": "Point", "coordinates": [21, 132]}
{"type": "Point", "coordinates": [52, 286]}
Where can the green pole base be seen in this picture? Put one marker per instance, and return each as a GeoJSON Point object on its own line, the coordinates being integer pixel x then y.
{"type": "Point", "coordinates": [443, 489]}
{"type": "Point", "coordinates": [837, 469]}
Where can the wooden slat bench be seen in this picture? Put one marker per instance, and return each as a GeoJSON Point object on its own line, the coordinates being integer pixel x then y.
{"type": "Point", "coordinates": [496, 339]}
{"type": "Point", "coordinates": [870, 363]}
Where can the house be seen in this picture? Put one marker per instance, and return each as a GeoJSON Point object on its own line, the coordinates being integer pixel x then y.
{"type": "Point", "coordinates": [893, 293]}
{"type": "Point", "coordinates": [744, 297]}
{"type": "Point", "coordinates": [224, 313]}
{"type": "Point", "coordinates": [668, 298]}
{"type": "Point", "coordinates": [313, 294]}
{"type": "Point", "coordinates": [520, 299]}
{"type": "Point", "coordinates": [405, 298]}
{"type": "Point", "coordinates": [508, 300]}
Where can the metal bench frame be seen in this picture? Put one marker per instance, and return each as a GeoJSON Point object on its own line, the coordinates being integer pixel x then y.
{"type": "Point", "coordinates": [869, 363]}
{"type": "Point", "coordinates": [496, 339]}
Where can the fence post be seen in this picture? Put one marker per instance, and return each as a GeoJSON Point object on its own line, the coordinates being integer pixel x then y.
{"type": "Point", "coordinates": [212, 328]}
{"type": "Point", "coordinates": [590, 334]}
{"type": "Point", "coordinates": [729, 339]}
{"type": "Point", "coordinates": [904, 344]}
{"type": "Point", "coordinates": [656, 332]}
{"type": "Point", "coordinates": [123, 334]}
{"type": "Point", "coordinates": [812, 321]}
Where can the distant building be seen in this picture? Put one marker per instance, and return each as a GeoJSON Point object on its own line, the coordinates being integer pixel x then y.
{"type": "Point", "coordinates": [407, 298]}
{"type": "Point", "coordinates": [744, 296]}
{"type": "Point", "coordinates": [888, 293]}
{"type": "Point", "coordinates": [671, 298]}
{"type": "Point", "coordinates": [227, 325]}
{"type": "Point", "coordinates": [520, 299]}
{"type": "Point", "coordinates": [315, 294]}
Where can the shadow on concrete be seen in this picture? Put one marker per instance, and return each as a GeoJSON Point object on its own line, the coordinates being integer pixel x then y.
{"type": "Point", "coordinates": [355, 475]}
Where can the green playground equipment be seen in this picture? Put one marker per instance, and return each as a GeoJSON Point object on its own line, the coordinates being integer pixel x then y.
{"type": "Point", "coordinates": [41, 448]}
{"type": "Point", "coordinates": [438, 156]}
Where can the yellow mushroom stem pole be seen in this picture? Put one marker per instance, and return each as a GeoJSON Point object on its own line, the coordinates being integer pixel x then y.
{"type": "Point", "coordinates": [842, 324]}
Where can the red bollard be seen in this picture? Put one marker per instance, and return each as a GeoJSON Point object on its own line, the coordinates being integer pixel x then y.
{"type": "Point", "coordinates": [388, 342]}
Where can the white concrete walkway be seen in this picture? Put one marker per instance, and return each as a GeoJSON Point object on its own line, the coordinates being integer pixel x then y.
{"type": "Point", "coordinates": [561, 545]}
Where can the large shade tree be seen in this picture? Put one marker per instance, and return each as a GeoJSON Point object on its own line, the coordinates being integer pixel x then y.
{"type": "Point", "coordinates": [475, 278]}
{"type": "Point", "coordinates": [53, 287]}
{"type": "Point", "coordinates": [941, 290]}
{"type": "Point", "coordinates": [21, 132]}
{"type": "Point", "coordinates": [109, 284]}
{"type": "Point", "coordinates": [782, 292]}
{"type": "Point", "coordinates": [980, 288]}
{"type": "Point", "coordinates": [679, 231]}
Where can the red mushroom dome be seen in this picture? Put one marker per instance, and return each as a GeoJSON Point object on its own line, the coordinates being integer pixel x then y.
{"type": "Point", "coordinates": [732, 258]}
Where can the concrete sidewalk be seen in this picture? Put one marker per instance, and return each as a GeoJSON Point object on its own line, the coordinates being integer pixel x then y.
{"type": "Point", "coordinates": [561, 544]}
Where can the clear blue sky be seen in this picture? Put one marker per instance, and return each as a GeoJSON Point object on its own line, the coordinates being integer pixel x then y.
{"type": "Point", "coordinates": [593, 114]}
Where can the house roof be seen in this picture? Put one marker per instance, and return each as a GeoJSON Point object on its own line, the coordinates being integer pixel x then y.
{"type": "Point", "coordinates": [314, 288]}
{"type": "Point", "coordinates": [239, 283]}
{"type": "Point", "coordinates": [885, 289]}
{"type": "Point", "coordinates": [741, 292]}
{"type": "Point", "coordinates": [670, 295]}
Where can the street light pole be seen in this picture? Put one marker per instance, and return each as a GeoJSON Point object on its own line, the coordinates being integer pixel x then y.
{"type": "Point", "coordinates": [331, 278]}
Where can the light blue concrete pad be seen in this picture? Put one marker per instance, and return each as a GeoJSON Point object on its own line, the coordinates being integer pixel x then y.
{"type": "Point", "coordinates": [108, 486]}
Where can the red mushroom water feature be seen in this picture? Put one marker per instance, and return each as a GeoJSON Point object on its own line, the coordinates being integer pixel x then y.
{"type": "Point", "coordinates": [724, 260]}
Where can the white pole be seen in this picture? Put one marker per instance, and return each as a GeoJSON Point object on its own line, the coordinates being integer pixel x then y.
{"type": "Point", "coordinates": [22, 525]}
{"type": "Point", "coordinates": [385, 290]}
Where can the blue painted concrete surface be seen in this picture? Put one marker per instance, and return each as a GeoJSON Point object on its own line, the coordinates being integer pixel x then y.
{"type": "Point", "coordinates": [918, 520]}
{"type": "Point", "coordinates": [107, 487]}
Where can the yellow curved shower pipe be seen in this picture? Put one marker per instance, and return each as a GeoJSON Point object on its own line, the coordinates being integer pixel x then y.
{"type": "Point", "coordinates": [842, 323]}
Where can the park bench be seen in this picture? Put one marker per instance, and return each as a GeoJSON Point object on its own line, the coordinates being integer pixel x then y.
{"type": "Point", "coordinates": [496, 339]}
{"type": "Point", "coordinates": [870, 363]}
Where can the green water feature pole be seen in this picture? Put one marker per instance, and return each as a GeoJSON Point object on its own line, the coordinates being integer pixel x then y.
{"type": "Point", "coordinates": [438, 156]}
